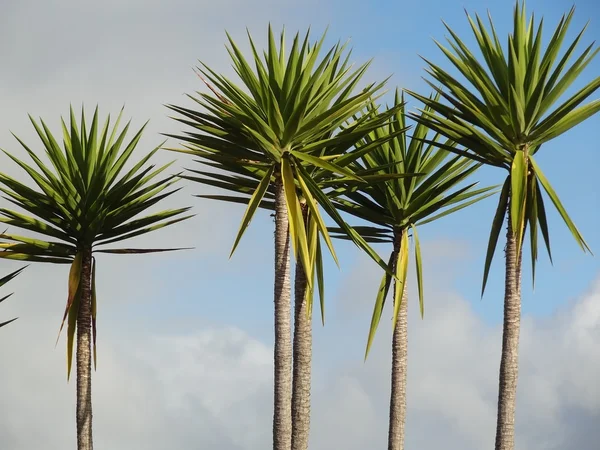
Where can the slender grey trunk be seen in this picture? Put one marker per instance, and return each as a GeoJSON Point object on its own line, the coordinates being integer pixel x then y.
{"type": "Point", "coordinates": [84, 355]}
{"type": "Point", "coordinates": [302, 359]}
{"type": "Point", "coordinates": [399, 365]}
{"type": "Point", "coordinates": [282, 411]}
{"type": "Point", "coordinates": [509, 364]}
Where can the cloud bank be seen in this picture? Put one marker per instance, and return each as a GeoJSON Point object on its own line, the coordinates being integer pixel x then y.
{"type": "Point", "coordinates": [211, 387]}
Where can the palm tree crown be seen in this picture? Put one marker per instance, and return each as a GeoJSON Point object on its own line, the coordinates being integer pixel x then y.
{"type": "Point", "coordinates": [283, 127]}
{"type": "Point", "coordinates": [507, 110]}
{"type": "Point", "coordinates": [84, 199]}
{"type": "Point", "coordinates": [421, 188]}
{"type": "Point", "coordinates": [503, 111]}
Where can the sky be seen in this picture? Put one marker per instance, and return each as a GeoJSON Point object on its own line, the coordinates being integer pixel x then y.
{"type": "Point", "coordinates": [185, 339]}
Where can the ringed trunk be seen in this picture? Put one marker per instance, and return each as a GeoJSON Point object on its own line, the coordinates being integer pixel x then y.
{"type": "Point", "coordinates": [509, 363]}
{"type": "Point", "coordinates": [84, 355]}
{"type": "Point", "coordinates": [282, 411]}
{"type": "Point", "coordinates": [399, 366]}
{"type": "Point", "coordinates": [302, 360]}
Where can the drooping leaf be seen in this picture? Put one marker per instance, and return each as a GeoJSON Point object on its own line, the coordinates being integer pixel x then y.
{"type": "Point", "coordinates": [253, 205]}
{"type": "Point", "coordinates": [401, 271]}
{"type": "Point", "coordinates": [74, 279]}
{"type": "Point", "coordinates": [297, 229]}
{"type": "Point", "coordinates": [558, 204]}
{"type": "Point", "coordinates": [419, 269]}
{"type": "Point", "coordinates": [71, 327]}
{"type": "Point", "coordinates": [495, 231]}
{"type": "Point", "coordinates": [382, 293]}
{"type": "Point", "coordinates": [518, 196]}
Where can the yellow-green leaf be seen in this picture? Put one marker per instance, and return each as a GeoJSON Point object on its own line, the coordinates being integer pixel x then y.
{"type": "Point", "coordinates": [419, 268]}
{"type": "Point", "coordinates": [382, 294]}
{"type": "Point", "coordinates": [401, 270]}
{"type": "Point", "coordinates": [518, 184]}
{"type": "Point", "coordinates": [297, 229]}
{"type": "Point", "coordinates": [74, 277]}
{"type": "Point", "coordinates": [314, 209]}
{"type": "Point", "coordinates": [495, 231]}
{"type": "Point", "coordinates": [73, 310]}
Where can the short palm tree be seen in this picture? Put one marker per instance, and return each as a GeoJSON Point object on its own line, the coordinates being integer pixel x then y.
{"type": "Point", "coordinates": [396, 208]}
{"type": "Point", "coordinates": [502, 112]}
{"type": "Point", "coordinates": [265, 138]}
{"type": "Point", "coordinates": [3, 281]}
{"type": "Point", "coordinates": [83, 201]}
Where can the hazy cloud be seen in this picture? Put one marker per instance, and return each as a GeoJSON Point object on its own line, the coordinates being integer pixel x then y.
{"type": "Point", "coordinates": [212, 387]}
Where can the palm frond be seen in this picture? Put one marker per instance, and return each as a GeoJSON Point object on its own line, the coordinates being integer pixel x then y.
{"type": "Point", "coordinates": [284, 122]}
{"type": "Point", "coordinates": [508, 103]}
{"type": "Point", "coordinates": [84, 198]}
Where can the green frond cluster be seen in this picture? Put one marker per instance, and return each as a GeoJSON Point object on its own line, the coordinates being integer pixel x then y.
{"type": "Point", "coordinates": [418, 184]}
{"type": "Point", "coordinates": [83, 199]}
{"type": "Point", "coordinates": [283, 128]}
{"type": "Point", "coordinates": [507, 108]}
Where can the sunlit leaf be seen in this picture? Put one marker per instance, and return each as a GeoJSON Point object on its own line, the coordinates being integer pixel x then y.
{"type": "Point", "coordinates": [401, 271]}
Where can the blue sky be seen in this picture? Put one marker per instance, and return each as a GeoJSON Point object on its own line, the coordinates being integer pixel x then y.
{"type": "Point", "coordinates": [394, 35]}
{"type": "Point", "coordinates": [405, 30]}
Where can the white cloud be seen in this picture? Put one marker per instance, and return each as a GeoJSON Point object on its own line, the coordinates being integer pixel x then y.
{"type": "Point", "coordinates": [454, 357]}
{"type": "Point", "coordinates": [212, 387]}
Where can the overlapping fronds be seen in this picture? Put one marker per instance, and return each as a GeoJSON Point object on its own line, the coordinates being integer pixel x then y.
{"type": "Point", "coordinates": [420, 184]}
{"type": "Point", "coordinates": [508, 105]}
{"type": "Point", "coordinates": [84, 198]}
{"type": "Point", "coordinates": [282, 128]}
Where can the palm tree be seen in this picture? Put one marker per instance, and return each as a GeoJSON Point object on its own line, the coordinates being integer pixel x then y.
{"type": "Point", "coordinates": [84, 200]}
{"type": "Point", "coordinates": [265, 139]}
{"type": "Point", "coordinates": [502, 113]}
{"type": "Point", "coordinates": [396, 208]}
{"type": "Point", "coordinates": [3, 281]}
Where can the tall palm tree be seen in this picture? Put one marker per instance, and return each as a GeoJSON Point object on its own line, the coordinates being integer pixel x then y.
{"type": "Point", "coordinates": [396, 208]}
{"type": "Point", "coordinates": [84, 200]}
{"type": "Point", "coordinates": [3, 281]}
{"type": "Point", "coordinates": [265, 138]}
{"type": "Point", "coordinates": [502, 112]}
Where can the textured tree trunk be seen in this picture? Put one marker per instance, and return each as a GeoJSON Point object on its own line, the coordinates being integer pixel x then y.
{"type": "Point", "coordinates": [282, 411]}
{"type": "Point", "coordinates": [399, 367]}
{"type": "Point", "coordinates": [84, 356]}
{"type": "Point", "coordinates": [302, 360]}
{"type": "Point", "coordinates": [509, 364]}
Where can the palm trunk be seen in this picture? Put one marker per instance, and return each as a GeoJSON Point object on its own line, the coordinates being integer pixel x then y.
{"type": "Point", "coordinates": [509, 364]}
{"type": "Point", "coordinates": [282, 411]}
{"type": "Point", "coordinates": [399, 366]}
{"type": "Point", "coordinates": [302, 360]}
{"type": "Point", "coordinates": [84, 356]}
